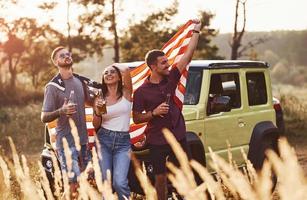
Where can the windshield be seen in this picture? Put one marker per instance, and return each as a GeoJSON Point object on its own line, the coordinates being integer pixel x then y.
{"type": "Point", "coordinates": [193, 85]}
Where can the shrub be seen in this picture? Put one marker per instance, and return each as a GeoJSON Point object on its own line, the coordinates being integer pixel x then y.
{"type": "Point", "coordinates": [19, 96]}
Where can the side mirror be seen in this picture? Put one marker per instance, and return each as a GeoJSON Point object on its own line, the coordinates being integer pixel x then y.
{"type": "Point", "coordinates": [219, 104]}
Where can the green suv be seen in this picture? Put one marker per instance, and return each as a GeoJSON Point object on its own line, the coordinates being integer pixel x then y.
{"type": "Point", "coordinates": [226, 101]}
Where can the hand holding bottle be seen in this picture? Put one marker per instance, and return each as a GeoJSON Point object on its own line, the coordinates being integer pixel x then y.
{"type": "Point", "coordinates": [100, 105]}
{"type": "Point", "coordinates": [68, 108]}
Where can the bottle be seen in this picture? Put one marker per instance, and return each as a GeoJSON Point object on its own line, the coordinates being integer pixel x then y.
{"type": "Point", "coordinates": [71, 100]}
{"type": "Point", "coordinates": [168, 98]}
{"type": "Point", "coordinates": [102, 109]}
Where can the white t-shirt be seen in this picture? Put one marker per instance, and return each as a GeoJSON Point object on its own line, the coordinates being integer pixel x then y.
{"type": "Point", "coordinates": [118, 116]}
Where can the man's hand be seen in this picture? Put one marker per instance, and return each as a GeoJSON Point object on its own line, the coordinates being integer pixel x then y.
{"type": "Point", "coordinates": [197, 26]}
{"type": "Point", "coordinates": [68, 108]}
{"type": "Point", "coordinates": [98, 105]}
{"type": "Point", "coordinates": [161, 110]}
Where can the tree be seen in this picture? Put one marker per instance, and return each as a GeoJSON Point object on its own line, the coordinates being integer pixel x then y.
{"type": "Point", "coordinates": [148, 34]}
{"type": "Point", "coordinates": [22, 34]}
{"type": "Point", "coordinates": [205, 50]}
{"type": "Point", "coordinates": [89, 39]}
{"type": "Point", "coordinates": [36, 62]}
{"type": "Point", "coordinates": [13, 48]}
{"type": "Point", "coordinates": [237, 49]}
{"type": "Point", "coordinates": [113, 28]}
{"type": "Point", "coordinates": [99, 19]}
{"type": "Point", "coordinates": [86, 38]}
{"type": "Point", "coordinates": [156, 30]}
{"type": "Point", "coordinates": [237, 35]}
{"type": "Point", "coordinates": [4, 5]}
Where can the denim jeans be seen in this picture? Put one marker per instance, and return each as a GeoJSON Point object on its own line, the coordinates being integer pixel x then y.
{"type": "Point", "coordinates": [115, 149]}
{"type": "Point", "coordinates": [76, 169]}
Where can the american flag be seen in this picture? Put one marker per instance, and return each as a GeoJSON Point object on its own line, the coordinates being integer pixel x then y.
{"type": "Point", "coordinates": [174, 50]}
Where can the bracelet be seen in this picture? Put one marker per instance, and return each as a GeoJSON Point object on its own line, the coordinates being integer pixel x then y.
{"type": "Point", "coordinates": [196, 31]}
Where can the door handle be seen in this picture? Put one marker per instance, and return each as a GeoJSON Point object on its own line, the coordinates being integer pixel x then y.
{"type": "Point", "coordinates": [241, 123]}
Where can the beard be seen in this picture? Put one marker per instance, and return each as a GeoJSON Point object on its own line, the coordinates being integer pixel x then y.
{"type": "Point", "coordinates": [66, 64]}
{"type": "Point", "coordinates": [163, 73]}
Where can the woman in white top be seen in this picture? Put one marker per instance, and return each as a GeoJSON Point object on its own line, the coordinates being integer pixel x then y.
{"type": "Point", "coordinates": [113, 134]}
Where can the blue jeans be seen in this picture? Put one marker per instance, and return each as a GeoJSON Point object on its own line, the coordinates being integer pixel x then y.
{"type": "Point", "coordinates": [115, 149]}
{"type": "Point", "coordinates": [76, 169]}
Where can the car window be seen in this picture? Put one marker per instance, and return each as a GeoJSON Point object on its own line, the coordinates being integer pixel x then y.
{"type": "Point", "coordinates": [256, 88]}
{"type": "Point", "coordinates": [225, 89]}
{"type": "Point", "coordinates": [191, 96]}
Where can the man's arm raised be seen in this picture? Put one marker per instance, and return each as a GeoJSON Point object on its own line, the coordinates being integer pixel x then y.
{"type": "Point", "coordinates": [186, 58]}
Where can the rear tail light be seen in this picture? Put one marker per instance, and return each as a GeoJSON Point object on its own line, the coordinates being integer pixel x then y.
{"type": "Point", "coordinates": [277, 107]}
{"type": "Point", "coordinates": [276, 104]}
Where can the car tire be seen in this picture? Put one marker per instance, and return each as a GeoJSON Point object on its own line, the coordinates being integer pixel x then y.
{"type": "Point", "coordinates": [197, 152]}
{"type": "Point", "coordinates": [269, 142]}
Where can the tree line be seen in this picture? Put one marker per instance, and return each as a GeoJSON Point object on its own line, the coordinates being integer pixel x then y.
{"type": "Point", "coordinates": [26, 50]}
{"type": "Point", "coordinates": [289, 46]}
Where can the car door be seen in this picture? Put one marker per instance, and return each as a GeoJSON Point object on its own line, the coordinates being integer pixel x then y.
{"type": "Point", "coordinates": [225, 124]}
{"type": "Point", "coordinates": [259, 105]}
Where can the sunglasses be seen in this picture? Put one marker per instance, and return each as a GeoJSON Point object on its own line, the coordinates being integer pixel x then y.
{"type": "Point", "coordinates": [112, 71]}
{"type": "Point", "coordinates": [64, 55]}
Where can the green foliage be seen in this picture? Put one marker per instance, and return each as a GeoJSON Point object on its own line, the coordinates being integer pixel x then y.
{"type": "Point", "coordinates": [4, 117]}
{"type": "Point", "coordinates": [28, 42]}
{"type": "Point", "coordinates": [19, 96]}
{"type": "Point", "coordinates": [86, 45]}
{"type": "Point", "coordinates": [156, 30]}
{"type": "Point", "coordinates": [89, 40]}
{"type": "Point", "coordinates": [285, 51]}
{"type": "Point", "coordinates": [288, 45]}
{"type": "Point", "coordinates": [148, 34]}
{"type": "Point", "coordinates": [206, 50]}
{"type": "Point", "coordinates": [24, 126]}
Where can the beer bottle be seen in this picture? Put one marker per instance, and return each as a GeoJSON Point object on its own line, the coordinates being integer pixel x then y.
{"type": "Point", "coordinates": [71, 100]}
{"type": "Point", "coordinates": [102, 109]}
{"type": "Point", "coordinates": [168, 98]}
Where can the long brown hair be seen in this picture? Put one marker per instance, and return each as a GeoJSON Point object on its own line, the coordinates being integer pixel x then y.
{"type": "Point", "coordinates": [104, 87]}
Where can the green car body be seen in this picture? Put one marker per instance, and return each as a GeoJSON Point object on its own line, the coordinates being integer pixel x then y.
{"type": "Point", "coordinates": [235, 126]}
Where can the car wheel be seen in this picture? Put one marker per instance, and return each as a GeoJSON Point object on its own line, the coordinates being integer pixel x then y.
{"type": "Point", "coordinates": [270, 143]}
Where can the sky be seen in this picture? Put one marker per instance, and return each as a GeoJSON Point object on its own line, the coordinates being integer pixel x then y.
{"type": "Point", "coordinates": [262, 15]}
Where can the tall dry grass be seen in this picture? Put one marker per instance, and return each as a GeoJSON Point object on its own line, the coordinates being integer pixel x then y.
{"type": "Point", "coordinates": [294, 104]}
{"type": "Point", "coordinates": [228, 183]}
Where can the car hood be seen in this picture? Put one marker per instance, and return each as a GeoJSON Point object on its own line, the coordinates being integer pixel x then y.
{"type": "Point", "coordinates": [190, 113]}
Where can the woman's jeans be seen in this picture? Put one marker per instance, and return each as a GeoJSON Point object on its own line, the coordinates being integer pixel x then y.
{"type": "Point", "coordinates": [115, 149]}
